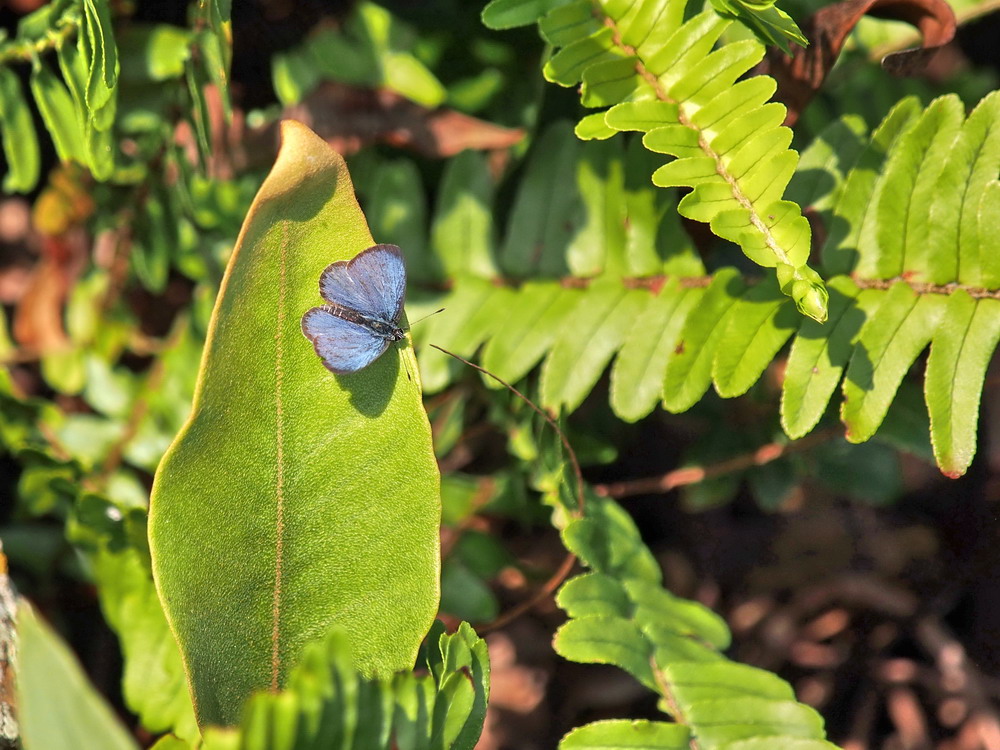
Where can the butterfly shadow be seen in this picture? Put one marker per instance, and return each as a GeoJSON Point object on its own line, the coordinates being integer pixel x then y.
{"type": "Point", "coordinates": [370, 389]}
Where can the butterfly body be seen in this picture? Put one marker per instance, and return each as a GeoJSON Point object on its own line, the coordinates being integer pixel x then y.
{"type": "Point", "coordinates": [364, 299]}
{"type": "Point", "coordinates": [385, 329]}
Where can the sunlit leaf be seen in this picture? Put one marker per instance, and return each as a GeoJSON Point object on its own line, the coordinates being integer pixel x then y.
{"type": "Point", "coordinates": [294, 500]}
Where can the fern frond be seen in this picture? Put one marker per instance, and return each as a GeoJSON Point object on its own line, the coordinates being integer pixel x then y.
{"type": "Point", "coordinates": [663, 75]}
{"type": "Point", "coordinates": [919, 235]}
{"type": "Point", "coordinates": [689, 371]}
{"type": "Point", "coordinates": [626, 288]}
{"type": "Point", "coordinates": [619, 613]}
{"type": "Point", "coordinates": [820, 353]}
{"type": "Point", "coordinates": [508, 14]}
{"type": "Point", "coordinates": [637, 377]}
{"type": "Point", "coordinates": [883, 354]}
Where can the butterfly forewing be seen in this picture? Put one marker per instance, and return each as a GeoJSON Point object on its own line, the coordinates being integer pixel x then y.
{"type": "Point", "coordinates": [373, 283]}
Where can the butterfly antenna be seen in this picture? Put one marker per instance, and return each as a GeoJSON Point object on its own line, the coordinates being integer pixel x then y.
{"type": "Point", "coordinates": [425, 317]}
{"type": "Point", "coordinates": [567, 564]}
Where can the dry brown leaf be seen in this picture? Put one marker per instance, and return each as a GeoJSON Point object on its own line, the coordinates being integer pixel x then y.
{"type": "Point", "coordinates": [801, 75]}
{"type": "Point", "coordinates": [349, 118]}
{"type": "Point", "coordinates": [57, 217]}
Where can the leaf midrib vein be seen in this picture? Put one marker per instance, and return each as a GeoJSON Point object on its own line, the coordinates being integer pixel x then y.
{"type": "Point", "coordinates": [279, 460]}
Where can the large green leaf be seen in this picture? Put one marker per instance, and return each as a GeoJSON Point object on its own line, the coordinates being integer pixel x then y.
{"type": "Point", "coordinates": [58, 709]}
{"type": "Point", "coordinates": [294, 500]}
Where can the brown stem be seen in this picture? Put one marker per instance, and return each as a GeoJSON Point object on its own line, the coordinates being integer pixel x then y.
{"type": "Point", "coordinates": [543, 593]}
{"type": "Point", "coordinates": [975, 292]}
{"type": "Point", "coordinates": [570, 453]}
{"type": "Point", "coordinates": [694, 474]}
{"type": "Point", "coordinates": [959, 675]}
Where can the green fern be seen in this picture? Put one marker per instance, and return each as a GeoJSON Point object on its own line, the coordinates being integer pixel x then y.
{"type": "Point", "coordinates": [78, 110]}
{"type": "Point", "coordinates": [926, 214]}
{"type": "Point", "coordinates": [913, 219]}
{"type": "Point", "coordinates": [916, 224]}
{"type": "Point", "coordinates": [660, 74]}
{"type": "Point", "coordinates": [370, 50]}
{"type": "Point", "coordinates": [620, 614]}
{"type": "Point", "coordinates": [328, 704]}
{"type": "Point", "coordinates": [625, 287]}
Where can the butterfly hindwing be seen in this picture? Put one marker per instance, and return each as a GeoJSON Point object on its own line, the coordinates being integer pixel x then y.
{"type": "Point", "coordinates": [342, 345]}
{"type": "Point", "coordinates": [373, 283]}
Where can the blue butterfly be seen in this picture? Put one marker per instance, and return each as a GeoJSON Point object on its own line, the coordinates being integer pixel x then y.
{"type": "Point", "coordinates": [364, 298]}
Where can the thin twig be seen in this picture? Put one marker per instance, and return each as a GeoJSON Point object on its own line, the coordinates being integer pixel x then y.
{"type": "Point", "coordinates": [864, 717]}
{"type": "Point", "coordinates": [567, 564]}
{"type": "Point", "coordinates": [543, 593]}
{"type": "Point", "coordinates": [20, 356]}
{"type": "Point", "coordinates": [542, 413]}
{"type": "Point", "coordinates": [960, 676]}
{"type": "Point", "coordinates": [694, 474]}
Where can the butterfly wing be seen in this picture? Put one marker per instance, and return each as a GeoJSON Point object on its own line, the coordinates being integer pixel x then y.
{"type": "Point", "coordinates": [373, 282]}
{"type": "Point", "coordinates": [343, 346]}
